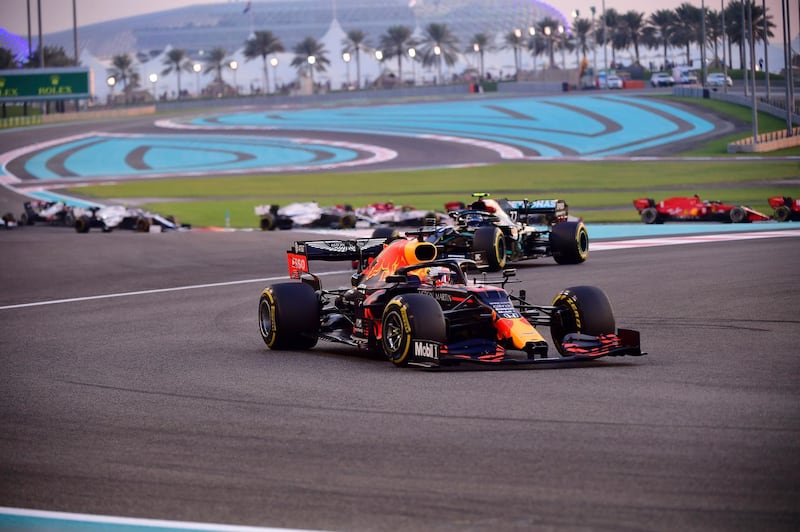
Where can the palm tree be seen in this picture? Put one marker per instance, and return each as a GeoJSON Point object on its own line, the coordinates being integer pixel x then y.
{"type": "Point", "coordinates": [439, 43]}
{"type": "Point", "coordinates": [714, 32]}
{"type": "Point", "coordinates": [7, 59]}
{"type": "Point", "coordinates": [547, 27]}
{"type": "Point", "coordinates": [632, 26]}
{"type": "Point", "coordinates": [54, 56]}
{"type": "Point", "coordinates": [262, 44]}
{"type": "Point", "coordinates": [609, 32]}
{"type": "Point", "coordinates": [176, 61]}
{"type": "Point", "coordinates": [687, 29]}
{"type": "Point", "coordinates": [513, 39]}
{"type": "Point", "coordinates": [394, 43]}
{"type": "Point", "coordinates": [661, 24]}
{"type": "Point", "coordinates": [536, 45]}
{"type": "Point", "coordinates": [734, 25]}
{"type": "Point", "coordinates": [482, 42]}
{"type": "Point", "coordinates": [215, 61]}
{"type": "Point", "coordinates": [581, 28]}
{"type": "Point", "coordinates": [353, 43]}
{"type": "Point", "coordinates": [310, 55]}
{"type": "Point", "coordinates": [122, 69]}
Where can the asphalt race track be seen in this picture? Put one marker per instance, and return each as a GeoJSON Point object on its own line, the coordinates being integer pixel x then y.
{"type": "Point", "coordinates": [166, 404]}
{"type": "Point", "coordinates": [135, 382]}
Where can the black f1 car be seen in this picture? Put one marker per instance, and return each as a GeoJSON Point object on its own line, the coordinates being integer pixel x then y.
{"type": "Point", "coordinates": [424, 311]}
{"type": "Point", "coordinates": [496, 232]}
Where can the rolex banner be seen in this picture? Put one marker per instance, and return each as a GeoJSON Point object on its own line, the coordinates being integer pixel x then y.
{"type": "Point", "coordinates": [22, 85]}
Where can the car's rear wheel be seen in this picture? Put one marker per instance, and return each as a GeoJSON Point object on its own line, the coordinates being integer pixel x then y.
{"type": "Point", "coordinates": [650, 216]}
{"type": "Point", "coordinates": [267, 222]}
{"type": "Point", "coordinates": [288, 316]}
{"type": "Point", "coordinates": [581, 310]}
{"type": "Point", "coordinates": [782, 213]}
{"type": "Point", "coordinates": [569, 242]}
{"type": "Point", "coordinates": [408, 318]}
{"type": "Point", "coordinates": [491, 241]}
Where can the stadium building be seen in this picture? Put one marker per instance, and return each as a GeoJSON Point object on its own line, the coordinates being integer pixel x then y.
{"type": "Point", "coordinates": [199, 28]}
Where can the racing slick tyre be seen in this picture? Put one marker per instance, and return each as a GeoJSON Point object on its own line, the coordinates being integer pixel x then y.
{"type": "Point", "coordinates": [142, 225]}
{"type": "Point", "coordinates": [389, 233]}
{"type": "Point", "coordinates": [739, 215]}
{"type": "Point", "coordinates": [650, 216]}
{"type": "Point", "coordinates": [267, 222]}
{"type": "Point", "coordinates": [82, 224]}
{"type": "Point", "coordinates": [582, 310]}
{"type": "Point", "coordinates": [288, 316]}
{"type": "Point", "coordinates": [782, 214]}
{"type": "Point", "coordinates": [569, 242]}
{"type": "Point", "coordinates": [407, 318]}
{"type": "Point", "coordinates": [490, 240]}
{"type": "Point", "coordinates": [347, 221]}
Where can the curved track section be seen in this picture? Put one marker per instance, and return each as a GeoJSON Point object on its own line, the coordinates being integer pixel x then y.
{"type": "Point", "coordinates": [107, 156]}
{"type": "Point", "coordinates": [517, 127]}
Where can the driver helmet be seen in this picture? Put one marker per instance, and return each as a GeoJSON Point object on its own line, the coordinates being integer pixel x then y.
{"type": "Point", "coordinates": [437, 275]}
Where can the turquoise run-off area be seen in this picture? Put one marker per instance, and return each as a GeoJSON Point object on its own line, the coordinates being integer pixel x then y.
{"type": "Point", "coordinates": [586, 126]}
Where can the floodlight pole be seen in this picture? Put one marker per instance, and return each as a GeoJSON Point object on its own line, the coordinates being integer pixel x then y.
{"type": "Point", "coordinates": [753, 70]}
{"type": "Point", "coordinates": [605, 41]}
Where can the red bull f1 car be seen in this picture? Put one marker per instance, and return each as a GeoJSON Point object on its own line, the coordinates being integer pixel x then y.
{"type": "Point", "coordinates": [421, 310]}
{"type": "Point", "coordinates": [694, 209]}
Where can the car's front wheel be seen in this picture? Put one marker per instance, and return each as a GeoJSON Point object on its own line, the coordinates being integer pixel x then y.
{"type": "Point", "coordinates": [409, 318]}
{"type": "Point", "coordinates": [491, 241]}
{"type": "Point", "coordinates": [739, 215]}
{"type": "Point", "coordinates": [288, 316]}
{"type": "Point", "coordinates": [82, 224]}
{"type": "Point", "coordinates": [581, 310]}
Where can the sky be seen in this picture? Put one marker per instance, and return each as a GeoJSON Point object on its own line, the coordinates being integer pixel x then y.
{"type": "Point", "coordinates": [57, 14]}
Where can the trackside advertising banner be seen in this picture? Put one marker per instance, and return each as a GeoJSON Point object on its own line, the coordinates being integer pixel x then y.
{"type": "Point", "coordinates": [22, 85]}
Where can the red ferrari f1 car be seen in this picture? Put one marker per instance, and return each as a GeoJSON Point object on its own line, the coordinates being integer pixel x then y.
{"type": "Point", "coordinates": [693, 209]}
{"type": "Point", "coordinates": [421, 310]}
{"type": "Point", "coordinates": [786, 209]}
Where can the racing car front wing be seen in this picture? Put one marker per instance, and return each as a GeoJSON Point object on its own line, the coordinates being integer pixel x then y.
{"type": "Point", "coordinates": [577, 348]}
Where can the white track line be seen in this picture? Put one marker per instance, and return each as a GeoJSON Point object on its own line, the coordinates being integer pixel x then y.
{"type": "Point", "coordinates": [129, 521]}
{"type": "Point", "coordinates": [155, 291]}
{"type": "Point", "coordinates": [689, 239]}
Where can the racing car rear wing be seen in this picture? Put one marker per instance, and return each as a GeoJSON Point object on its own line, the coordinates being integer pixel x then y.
{"type": "Point", "coordinates": [551, 209]}
{"type": "Point", "coordinates": [359, 251]}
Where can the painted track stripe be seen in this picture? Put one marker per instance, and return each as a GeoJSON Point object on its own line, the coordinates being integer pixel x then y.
{"type": "Point", "coordinates": [692, 239]}
{"type": "Point", "coordinates": [156, 291]}
{"type": "Point", "coordinates": [43, 520]}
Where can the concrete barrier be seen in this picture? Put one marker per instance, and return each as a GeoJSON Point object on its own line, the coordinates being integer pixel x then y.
{"type": "Point", "coordinates": [771, 141]}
